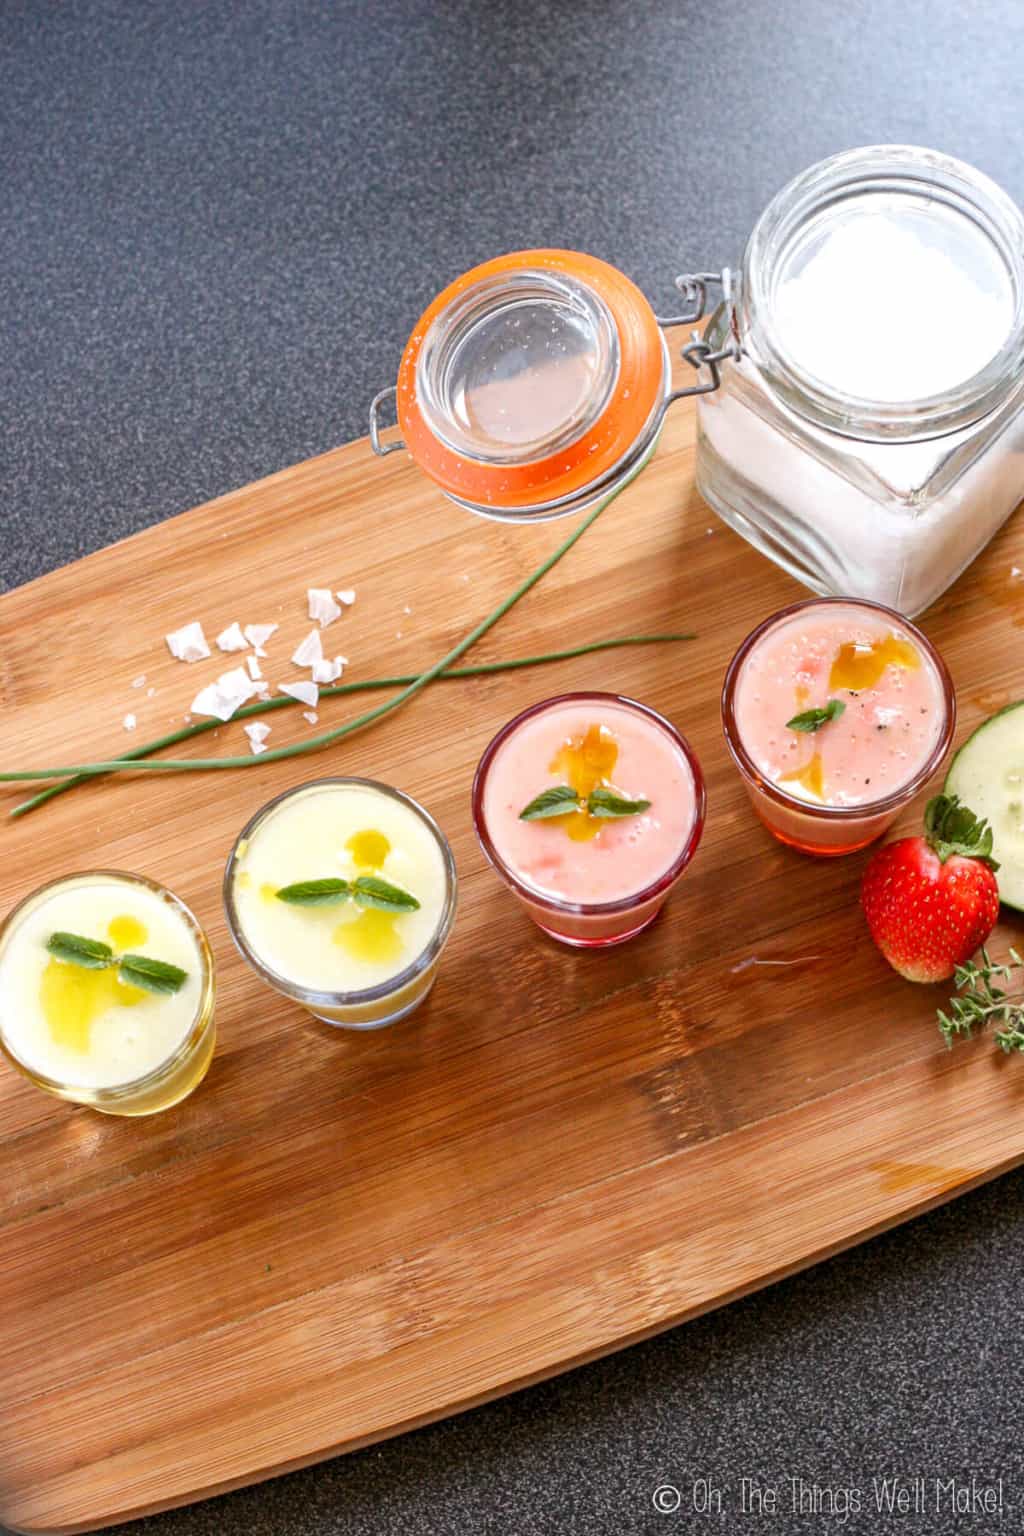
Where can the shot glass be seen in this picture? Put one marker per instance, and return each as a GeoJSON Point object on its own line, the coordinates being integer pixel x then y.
{"type": "Point", "coordinates": [350, 967]}
{"type": "Point", "coordinates": [590, 886]}
{"type": "Point", "coordinates": [887, 735]}
{"type": "Point", "coordinates": [89, 1035]}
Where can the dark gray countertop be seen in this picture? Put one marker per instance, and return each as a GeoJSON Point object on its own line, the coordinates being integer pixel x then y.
{"type": "Point", "coordinates": [220, 221]}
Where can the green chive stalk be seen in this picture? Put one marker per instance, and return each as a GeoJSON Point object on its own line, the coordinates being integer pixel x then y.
{"type": "Point", "coordinates": [364, 685]}
{"type": "Point", "coordinates": [406, 692]}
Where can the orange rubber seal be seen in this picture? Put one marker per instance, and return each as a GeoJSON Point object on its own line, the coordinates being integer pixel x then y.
{"type": "Point", "coordinates": [598, 449]}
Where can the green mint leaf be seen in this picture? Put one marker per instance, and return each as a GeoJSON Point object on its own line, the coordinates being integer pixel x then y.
{"type": "Point", "coordinates": [314, 893]}
{"type": "Point", "coordinates": [151, 975]}
{"type": "Point", "coordinates": [371, 891]}
{"type": "Point", "coordinates": [90, 953]}
{"type": "Point", "coordinates": [814, 719]}
{"type": "Point", "coordinates": [606, 803]}
{"type": "Point", "coordinates": [555, 801]}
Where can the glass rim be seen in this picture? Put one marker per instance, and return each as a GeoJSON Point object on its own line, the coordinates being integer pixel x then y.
{"type": "Point", "coordinates": [835, 813]}
{"type": "Point", "coordinates": [609, 483]}
{"type": "Point", "coordinates": [557, 478]}
{"type": "Point", "coordinates": [912, 169]}
{"type": "Point", "coordinates": [313, 997]}
{"type": "Point", "coordinates": [479, 300]}
{"type": "Point", "coordinates": [589, 908]}
{"type": "Point", "coordinates": [113, 1093]}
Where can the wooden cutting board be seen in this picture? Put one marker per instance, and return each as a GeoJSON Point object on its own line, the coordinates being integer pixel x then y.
{"type": "Point", "coordinates": [343, 1235]}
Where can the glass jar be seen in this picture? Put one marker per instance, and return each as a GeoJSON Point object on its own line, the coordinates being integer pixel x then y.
{"type": "Point", "coordinates": [868, 433]}
{"type": "Point", "coordinates": [535, 385]}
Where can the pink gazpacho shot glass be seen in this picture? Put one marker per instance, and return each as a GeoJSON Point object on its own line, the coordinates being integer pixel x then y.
{"type": "Point", "coordinates": [586, 880]}
{"type": "Point", "coordinates": [834, 789]}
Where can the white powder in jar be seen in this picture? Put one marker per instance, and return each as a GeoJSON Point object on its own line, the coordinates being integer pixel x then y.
{"type": "Point", "coordinates": [894, 309]}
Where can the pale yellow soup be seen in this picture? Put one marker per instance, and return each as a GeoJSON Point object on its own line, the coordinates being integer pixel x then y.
{"type": "Point", "coordinates": [338, 831]}
{"type": "Point", "coordinates": [84, 1028]}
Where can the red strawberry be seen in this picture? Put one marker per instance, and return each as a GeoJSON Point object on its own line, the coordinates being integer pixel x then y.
{"type": "Point", "coordinates": [932, 901]}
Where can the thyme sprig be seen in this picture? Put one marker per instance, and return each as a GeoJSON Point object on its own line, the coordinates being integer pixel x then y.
{"type": "Point", "coordinates": [980, 1002]}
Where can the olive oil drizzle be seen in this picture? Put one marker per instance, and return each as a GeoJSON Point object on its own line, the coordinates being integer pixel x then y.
{"type": "Point", "coordinates": [373, 936]}
{"type": "Point", "coordinates": [585, 763]}
{"type": "Point", "coordinates": [73, 998]}
{"type": "Point", "coordinates": [854, 668]}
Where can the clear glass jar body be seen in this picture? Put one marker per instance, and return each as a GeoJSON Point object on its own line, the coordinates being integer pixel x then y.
{"type": "Point", "coordinates": [371, 1007]}
{"type": "Point", "coordinates": [883, 499]}
{"type": "Point", "coordinates": [829, 831]}
{"type": "Point", "coordinates": [591, 925]}
{"type": "Point", "coordinates": [183, 1071]}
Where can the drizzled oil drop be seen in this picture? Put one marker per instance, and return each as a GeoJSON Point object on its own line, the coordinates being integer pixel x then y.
{"type": "Point", "coordinates": [584, 762]}
{"type": "Point", "coordinates": [72, 998]}
{"type": "Point", "coordinates": [126, 933]}
{"type": "Point", "coordinates": [371, 936]}
{"type": "Point", "coordinates": [368, 848]}
{"type": "Point", "coordinates": [861, 666]}
{"type": "Point", "coordinates": [811, 777]}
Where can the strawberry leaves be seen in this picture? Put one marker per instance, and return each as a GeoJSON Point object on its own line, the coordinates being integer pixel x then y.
{"type": "Point", "coordinates": [951, 828]}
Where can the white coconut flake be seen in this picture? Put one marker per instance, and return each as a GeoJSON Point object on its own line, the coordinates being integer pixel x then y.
{"type": "Point", "coordinates": [140, 681]}
{"type": "Point", "coordinates": [254, 669]}
{"type": "Point", "coordinates": [258, 635]}
{"type": "Point", "coordinates": [222, 698]}
{"type": "Point", "coordinates": [323, 610]}
{"type": "Point", "coordinates": [232, 639]}
{"type": "Point", "coordinates": [306, 693]}
{"type": "Point", "coordinates": [310, 715]}
{"type": "Point", "coordinates": [328, 671]}
{"type": "Point", "coordinates": [188, 643]}
{"type": "Point", "coordinates": [129, 722]}
{"type": "Point", "coordinates": [310, 651]}
{"type": "Point", "coordinates": [257, 734]}
{"type": "Point", "coordinates": [150, 693]}
{"type": "Point", "coordinates": [347, 596]}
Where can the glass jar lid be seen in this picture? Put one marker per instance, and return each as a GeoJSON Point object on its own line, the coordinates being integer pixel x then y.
{"type": "Point", "coordinates": [529, 379]}
{"type": "Point", "coordinates": [883, 294]}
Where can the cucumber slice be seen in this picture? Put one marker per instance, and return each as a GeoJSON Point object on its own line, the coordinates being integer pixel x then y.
{"type": "Point", "coordinates": [988, 775]}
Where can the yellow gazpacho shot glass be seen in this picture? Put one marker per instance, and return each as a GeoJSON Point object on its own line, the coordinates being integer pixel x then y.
{"type": "Point", "coordinates": [341, 895]}
{"type": "Point", "coordinates": [107, 993]}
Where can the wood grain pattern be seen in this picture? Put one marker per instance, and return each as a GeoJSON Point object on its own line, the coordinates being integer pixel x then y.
{"type": "Point", "coordinates": [341, 1236]}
